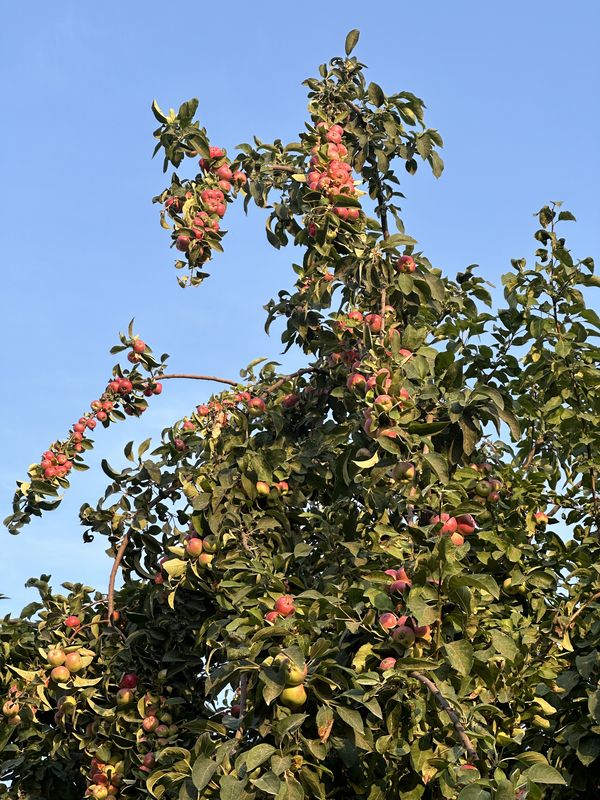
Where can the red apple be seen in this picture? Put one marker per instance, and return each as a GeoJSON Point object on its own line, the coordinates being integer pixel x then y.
{"type": "Point", "coordinates": [387, 620]}
{"type": "Point", "coordinates": [129, 681]}
{"type": "Point", "coordinates": [72, 621]}
{"type": "Point", "coordinates": [194, 546]}
{"type": "Point", "coordinates": [284, 605]}
{"type": "Point", "coordinates": [406, 264]}
{"type": "Point", "coordinates": [60, 674]}
{"type": "Point", "coordinates": [387, 663]}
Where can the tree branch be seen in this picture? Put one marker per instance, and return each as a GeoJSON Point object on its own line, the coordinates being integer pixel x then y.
{"type": "Point", "coordinates": [243, 700]}
{"type": "Point", "coordinates": [197, 378]}
{"type": "Point", "coordinates": [445, 705]}
{"type": "Point", "coordinates": [583, 606]}
{"type": "Point", "coordinates": [113, 576]}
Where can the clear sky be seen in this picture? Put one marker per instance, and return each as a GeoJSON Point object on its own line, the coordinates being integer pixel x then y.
{"type": "Point", "coordinates": [512, 87]}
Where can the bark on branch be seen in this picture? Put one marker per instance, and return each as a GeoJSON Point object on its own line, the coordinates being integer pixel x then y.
{"type": "Point", "coordinates": [113, 576]}
{"type": "Point", "coordinates": [445, 705]}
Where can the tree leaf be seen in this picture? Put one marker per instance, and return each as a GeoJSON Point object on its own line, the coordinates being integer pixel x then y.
{"type": "Point", "coordinates": [460, 656]}
{"type": "Point", "coordinates": [351, 41]}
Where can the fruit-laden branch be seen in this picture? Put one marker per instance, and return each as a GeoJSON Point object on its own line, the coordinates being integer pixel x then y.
{"type": "Point", "coordinates": [445, 705]}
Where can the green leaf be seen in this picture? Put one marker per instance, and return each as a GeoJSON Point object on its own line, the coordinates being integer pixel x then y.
{"type": "Point", "coordinates": [202, 772]}
{"type": "Point", "coordinates": [439, 465]}
{"type": "Point", "coordinates": [504, 645]}
{"type": "Point", "coordinates": [351, 41]}
{"type": "Point", "coordinates": [460, 656]}
{"type": "Point", "coordinates": [351, 717]}
{"type": "Point", "coordinates": [376, 95]}
{"type": "Point", "coordinates": [588, 749]}
{"type": "Point", "coordinates": [258, 755]}
{"type": "Point", "coordinates": [157, 112]}
{"type": "Point", "coordinates": [544, 773]}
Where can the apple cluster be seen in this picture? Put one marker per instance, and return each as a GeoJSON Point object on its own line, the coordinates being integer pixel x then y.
{"type": "Point", "coordinates": [106, 778]}
{"type": "Point", "coordinates": [201, 550]}
{"type": "Point", "coordinates": [198, 207]}
{"type": "Point", "coordinates": [283, 607]}
{"type": "Point", "coordinates": [294, 694]}
{"type": "Point", "coordinates": [122, 391]}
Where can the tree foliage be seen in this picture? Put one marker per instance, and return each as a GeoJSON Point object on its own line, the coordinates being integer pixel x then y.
{"type": "Point", "coordinates": [347, 581]}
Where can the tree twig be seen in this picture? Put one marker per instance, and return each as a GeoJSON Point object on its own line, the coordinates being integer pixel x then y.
{"type": "Point", "coordinates": [243, 700]}
{"type": "Point", "coordinates": [445, 705]}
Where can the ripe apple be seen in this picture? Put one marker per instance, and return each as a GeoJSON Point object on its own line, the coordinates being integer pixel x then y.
{"type": "Point", "coordinates": [449, 523]}
{"type": "Point", "coordinates": [73, 662]}
{"type": "Point", "coordinates": [356, 382]}
{"type": "Point", "coordinates": [263, 489]}
{"type": "Point", "coordinates": [150, 723]}
{"type": "Point", "coordinates": [149, 760]}
{"type": "Point", "coordinates": [465, 524]}
{"type": "Point", "coordinates": [541, 518]}
{"type": "Point", "coordinates": [14, 721]}
{"type": "Point", "coordinates": [56, 656]}
{"type": "Point", "coordinates": [457, 539]}
{"type": "Point", "coordinates": [284, 605]}
{"type": "Point", "coordinates": [404, 635]}
{"type": "Point", "coordinates": [387, 663]}
{"type": "Point", "coordinates": [289, 401]}
{"type": "Point", "coordinates": [182, 243]}
{"type": "Point", "coordinates": [387, 620]}
{"type": "Point", "coordinates": [128, 681]}
{"type": "Point", "coordinates": [257, 406]}
{"type": "Point", "coordinates": [293, 697]}
{"type": "Point", "coordinates": [271, 616]}
{"type": "Point", "coordinates": [205, 559]}
{"type": "Point", "coordinates": [399, 586]}
{"type": "Point", "coordinates": [72, 621]}
{"type": "Point", "coordinates": [60, 674]}
{"type": "Point", "coordinates": [406, 264]}
{"type": "Point", "coordinates": [10, 708]}
{"type": "Point", "coordinates": [374, 322]}
{"type": "Point", "coordinates": [194, 546]}
{"type": "Point", "coordinates": [384, 403]}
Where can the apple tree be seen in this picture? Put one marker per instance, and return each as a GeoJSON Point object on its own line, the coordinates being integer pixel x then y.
{"type": "Point", "coordinates": [347, 581]}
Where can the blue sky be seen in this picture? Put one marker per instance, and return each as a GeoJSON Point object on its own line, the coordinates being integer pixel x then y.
{"type": "Point", "coordinates": [512, 87]}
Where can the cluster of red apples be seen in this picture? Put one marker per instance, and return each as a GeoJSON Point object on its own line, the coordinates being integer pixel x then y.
{"type": "Point", "coordinates": [283, 607]}
{"type": "Point", "coordinates": [198, 211]}
{"type": "Point", "coordinates": [125, 392]}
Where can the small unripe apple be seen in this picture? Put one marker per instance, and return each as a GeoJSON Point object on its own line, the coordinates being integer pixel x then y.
{"type": "Point", "coordinates": [263, 489]}
{"type": "Point", "coordinates": [124, 697]}
{"type": "Point", "coordinates": [387, 663]}
{"type": "Point", "coordinates": [294, 675]}
{"type": "Point", "coordinates": [149, 760]}
{"type": "Point", "coordinates": [404, 471]}
{"type": "Point", "coordinates": [483, 488]}
{"type": "Point", "coordinates": [60, 674]}
{"type": "Point", "coordinates": [284, 605]}
{"type": "Point", "coordinates": [205, 559]}
{"type": "Point", "coordinates": [293, 697]}
{"type": "Point", "coordinates": [210, 544]}
{"type": "Point", "coordinates": [73, 662]}
{"type": "Point", "coordinates": [56, 656]}
{"type": "Point", "coordinates": [194, 546]}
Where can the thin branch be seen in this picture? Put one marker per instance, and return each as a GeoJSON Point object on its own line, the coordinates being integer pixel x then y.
{"type": "Point", "coordinates": [197, 378]}
{"type": "Point", "coordinates": [445, 705]}
{"type": "Point", "coordinates": [286, 378]}
{"type": "Point", "coordinates": [582, 607]}
{"type": "Point", "coordinates": [243, 700]}
{"type": "Point", "coordinates": [113, 575]}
